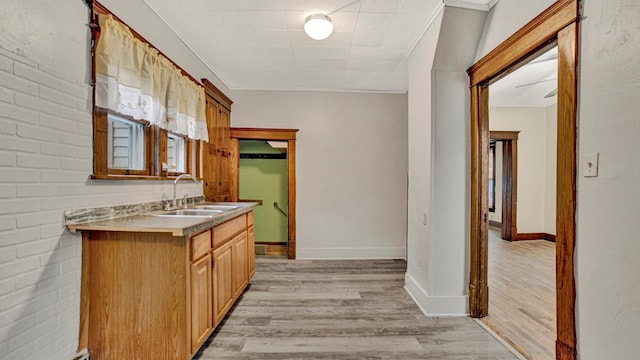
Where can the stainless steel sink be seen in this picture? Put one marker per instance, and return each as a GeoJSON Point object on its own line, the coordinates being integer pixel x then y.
{"type": "Point", "coordinates": [215, 207]}
{"type": "Point", "coordinates": [192, 212]}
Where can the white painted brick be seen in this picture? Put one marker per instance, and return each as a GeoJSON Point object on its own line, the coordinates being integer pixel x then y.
{"type": "Point", "coordinates": [19, 236]}
{"type": "Point", "coordinates": [31, 102]}
{"type": "Point", "coordinates": [17, 113]}
{"type": "Point", "coordinates": [7, 223]}
{"type": "Point", "coordinates": [6, 95]}
{"type": "Point", "coordinates": [68, 239]}
{"type": "Point", "coordinates": [19, 175]}
{"type": "Point", "coordinates": [39, 330]}
{"type": "Point", "coordinates": [45, 347]}
{"type": "Point", "coordinates": [4, 349]}
{"type": "Point", "coordinates": [19, 84]}
{"type": "Point", "coordinates": [38, 190]}
{"type": "Point", "coordinates": [58, 123]}
{"type": "Point", "coordinates": [38, 161]}
{"type": "Point", "coordinates": [59, 255]}
{"type": "Point", "coordinates": [7, 253]}
{"type": "Point", "coordinates": [86, 130]}
{"type": "Point", "coordinates": [77, 91]}
{"type": "Point", "coordinates": [38, 133]}
{"type": "Point", "coordinates": [34, 74]}
{"type": "Point", "coordinates": [22, 353]}
{"type": "Point", "coordinates": [83, 117]}
{"type": "Point", "coordinates": [8, 207]}
{"type": "Point", "coordinates": [7, 159]}
{"type": "Point", "coordinates": [77, 164]}
{"type": "Point", "coordinates": [77, 140]}
{"type": "Point", "coordinates": [18, 144]}
{"type": "Point", "coordinates": [6, 64]}
{"type": "Point", "coordinates": [64, 73]}
{"type": "Point", "coordinates": [7, 127]}
{"type": "Point", "coordinates": [51, 230]}
{"type": "Point", "coordinates": [36, 247]}
{"type": "Point", "coordinates": [46, 313]}
{"type": "Point", "coordinates": [58, 150]}
{"type": "Point", "coordinates": [7, 191]}
{"type": "Point", "coordinates": [21, 324]}
{"type": "Point", "coordinates": [74, 265]}
{"type": "Point", "coordinates": [83, 154]}
{"type": "Point", "coordinates": [57, 97]}
{"type": "Point", "coordinates": [19, 57]}
{"type": "Point", "coordinates": [36, 276]}
{"type": "Point", "coordinates": [53, 176]}
{"type": "Point", "coordinates": [40, 218]}
{"type": "Point", "coordinates": [66, 316]}
{"type": "Point", "coordinates": [18, 267]}
{"type": "Point", "coordinates": [85, 105]}
{"type": "Point", "coordinates": [7, 316]}
{"type": "Point", "coordinates": [56, 283]}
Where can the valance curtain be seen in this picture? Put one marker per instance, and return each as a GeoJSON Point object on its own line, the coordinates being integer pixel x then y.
{"type": "Point", "coordinates": [133, 79]}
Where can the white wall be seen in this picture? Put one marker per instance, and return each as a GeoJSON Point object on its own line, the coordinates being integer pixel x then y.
{"type": "Point", "coordinates": [551, 160]}
{"type": "Point", "coordinates": [532, 162]}
{"type": "Point", "coordinates": [351, 167]}
{"type": "Point", "coordinates": [437, 275]}
{"type": "Point", "coordinates": [45, 163]}
{"type": "Point", "coordinates": [497, 214]}
{"type": "Point", "coordinates": [608, 245]}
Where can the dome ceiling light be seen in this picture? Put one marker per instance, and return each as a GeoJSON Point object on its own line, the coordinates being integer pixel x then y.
{"type": "Point", "coordinates": [318, 26]}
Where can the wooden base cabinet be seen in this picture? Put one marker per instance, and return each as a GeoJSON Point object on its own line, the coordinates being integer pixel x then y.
{"type": "Point", "coordinates": [149, 295]}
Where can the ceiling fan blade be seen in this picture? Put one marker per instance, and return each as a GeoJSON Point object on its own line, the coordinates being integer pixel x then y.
{"type": "Point", "coordinates": [553, 93]}
{"type": "Point", "coordinates": [535, 82]}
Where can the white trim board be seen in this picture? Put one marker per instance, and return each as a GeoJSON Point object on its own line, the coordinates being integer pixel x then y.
{"type": "Point", "coordinates": [436, 306]}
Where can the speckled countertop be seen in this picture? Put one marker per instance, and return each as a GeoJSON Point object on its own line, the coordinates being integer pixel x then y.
{"type": "Point", "coordinates": [150, 222]}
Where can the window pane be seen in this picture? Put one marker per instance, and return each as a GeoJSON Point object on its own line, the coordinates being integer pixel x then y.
{"type": "Point", "coordinates": [126, 144]}
{"type": "Point", "coordinates": [175, 153]}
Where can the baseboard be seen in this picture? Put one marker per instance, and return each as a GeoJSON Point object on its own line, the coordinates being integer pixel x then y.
{"type": "Point", "coordinates": [350, 253]}
{"type": "Point", "coordinates": [535, 236]}
{"type": "Point", "coordinates": [495, 224]}
{"type": "Point", "coordinates": [436, 306]}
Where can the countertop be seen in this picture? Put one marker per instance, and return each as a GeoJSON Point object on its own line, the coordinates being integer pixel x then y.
{"type": "Point", "coordinates": [177, 226]}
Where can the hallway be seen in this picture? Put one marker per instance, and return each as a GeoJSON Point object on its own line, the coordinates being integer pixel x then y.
{"type": "Point", "coordinates": [341, 310]}
{"type": "Point", "coordinates": [522, 295]}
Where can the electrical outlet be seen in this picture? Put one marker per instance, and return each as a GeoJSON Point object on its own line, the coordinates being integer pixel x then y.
{"type": "Point", "coordinates": [590, 165]}
{"type": "Point", "coordinates": [424, 219]}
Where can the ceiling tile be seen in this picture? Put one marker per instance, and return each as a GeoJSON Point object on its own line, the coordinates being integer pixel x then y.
{"type": "Point", "coordinates": [321, 53]}
{"type": "Point", "coordinates": [278, 53]}
{"type": "Point", "coordinates": [268, 20]}
{"type": "Point", "coordinates": [372, 29]}
{"type": "Point", "coordinates": [337, 39]}
{"type": "Point", "coordinates": [344, 21]}
{"type": "Point", "coordinates": [418, 6]}
{"type": "Point", "coordinates": [274, 38]}
{"type": "Point", "coordinates": [253, 5]}
{"type": "Point", "coordinates": [315, 65]}
{"type": "Point", "coordinates": [229, 20]}
{"type": "Point", "coordinates": [220, 5]}
{"type": "Point", "coordinates": [244, 38]}
{"type": "Point", "coordinates": [302, 5]}
{"type": "Point", "coordinates": [383, 6]}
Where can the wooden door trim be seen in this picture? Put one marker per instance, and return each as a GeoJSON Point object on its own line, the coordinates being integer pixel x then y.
{"type": "Point", "coordinates": [288, 135]}
{"type": "Point", "coordinates": [558, 24]}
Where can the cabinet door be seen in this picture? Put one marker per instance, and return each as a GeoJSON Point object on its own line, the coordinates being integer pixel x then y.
{"type": "Point", "coordinates": [251, 251]}
{"type": "Point", "coordinates": [222, 281]}
{"type": "Point", "coordinates": [201, 321]}
{"type": "Point", "coordinates": [240, 266]}
{"type": "Point", "coordinates": [224, 158]}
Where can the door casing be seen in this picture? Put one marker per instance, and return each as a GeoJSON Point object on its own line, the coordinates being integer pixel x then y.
{"type": "Point", "coordinates": [557, 25]}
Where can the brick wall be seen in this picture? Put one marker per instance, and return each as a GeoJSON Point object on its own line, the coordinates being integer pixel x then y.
{"type": "Point", "coordinates": [45, 166]}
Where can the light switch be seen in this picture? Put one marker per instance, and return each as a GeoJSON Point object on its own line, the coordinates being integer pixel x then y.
{"type": "Point", "coordinates": [590, 165]}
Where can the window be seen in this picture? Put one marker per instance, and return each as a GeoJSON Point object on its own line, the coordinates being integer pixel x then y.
{"type": "Point", "coordinates": [176, 154]}
{"type": "Point", "coordinates": [148, 113]}
{"type": "Point", "coordinates": [125, 144]}
{"type": "Point", "coordinates": [492, 176]}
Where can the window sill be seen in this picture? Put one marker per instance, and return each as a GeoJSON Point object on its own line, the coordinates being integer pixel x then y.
{"type": "Point", "coordinates": [135, 177]}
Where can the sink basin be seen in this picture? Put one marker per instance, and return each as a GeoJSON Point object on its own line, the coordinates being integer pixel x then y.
{"type": "Point", "coordinates": [215, 207]}
{"type": "Point", "coordinates": [192, 212]}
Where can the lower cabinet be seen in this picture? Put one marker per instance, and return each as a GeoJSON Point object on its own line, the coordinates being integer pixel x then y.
{"type": "Point", "coordinates": [201, 303]}
{"type": "Point", "coordinates": [251, 250]}
{"type": "Point", "coordinates": [223, 290]}
{"type": "Point", "coordinates": [149, 295]}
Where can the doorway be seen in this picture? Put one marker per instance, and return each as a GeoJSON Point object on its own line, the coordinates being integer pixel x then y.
{"type": "Point", "coordinates": [556, 25]}
{"type": "Point", "coordinates": [279, 135]}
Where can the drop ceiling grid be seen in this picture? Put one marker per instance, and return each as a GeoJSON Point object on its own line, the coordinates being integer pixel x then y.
{"type": "Point", "coordinates": [261, 45]}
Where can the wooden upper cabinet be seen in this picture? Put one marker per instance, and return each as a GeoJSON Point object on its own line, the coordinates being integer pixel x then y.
{"type": "Point", "coordinates": [217, 154]}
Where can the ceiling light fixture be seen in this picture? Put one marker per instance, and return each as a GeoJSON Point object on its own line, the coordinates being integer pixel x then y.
{"type": "Point", "coordinates": [318, 26]}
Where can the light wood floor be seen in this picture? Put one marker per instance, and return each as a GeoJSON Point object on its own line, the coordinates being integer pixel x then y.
{"type": "Point", "coordinates": [522, 295]}
{"type": "Point", "coordinates": [297, 309]}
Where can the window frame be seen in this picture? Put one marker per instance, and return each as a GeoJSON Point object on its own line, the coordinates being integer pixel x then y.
{"type": "Point", "coordinates": [492, 176]}
{"type": "Point", "coordinates": [185, 155]}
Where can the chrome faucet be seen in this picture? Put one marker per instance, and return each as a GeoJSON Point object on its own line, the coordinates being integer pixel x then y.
{"type": "Point", "coordinates": [175, 182]}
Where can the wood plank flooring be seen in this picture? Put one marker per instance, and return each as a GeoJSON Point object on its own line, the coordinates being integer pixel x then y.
{"type": "Point", "coordinates": [296, 309]}
{"type": "Point", "coordinates": [522, 295]}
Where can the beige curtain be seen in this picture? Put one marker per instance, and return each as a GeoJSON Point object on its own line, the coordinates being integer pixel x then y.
{"type": "Point", "coordinates": [133, 79]}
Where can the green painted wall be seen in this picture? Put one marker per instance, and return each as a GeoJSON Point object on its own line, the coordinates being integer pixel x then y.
{"type": "Point", "coordinates": [265, 179]}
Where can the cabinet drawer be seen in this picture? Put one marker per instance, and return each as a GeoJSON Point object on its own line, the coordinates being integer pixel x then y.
{"type": "Point", "coordinates": [227, 230]}
{"type": "Point", "coordinates": [249, 218]}
{"type": "Point", "coordinates": [200, 244]}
